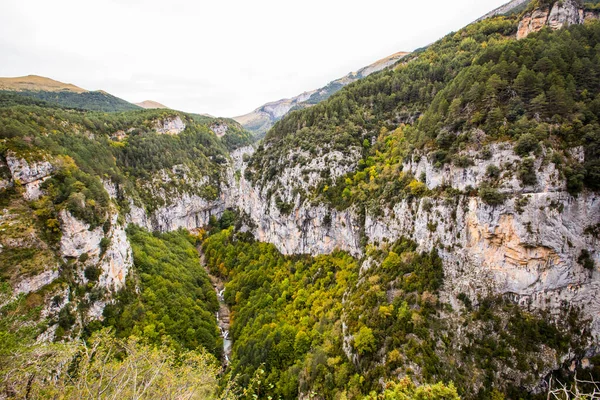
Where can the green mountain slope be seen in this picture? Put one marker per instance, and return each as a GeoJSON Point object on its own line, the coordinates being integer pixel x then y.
{"type": "Point", "coordinates": [93, 101]}
{"type": "Point", "coordinates": [262, 119]}
{"type": "Point", "coordinates": [65, 95]}
{"type": "Point", "coordinates": [149, 157]}
{"type": "Point", "coordinates": [433, 227]}
{"type": "Point", "coordinates": [476, 86]}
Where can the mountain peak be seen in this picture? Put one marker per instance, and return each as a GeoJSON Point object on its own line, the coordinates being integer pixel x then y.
{"type": "Point", "coordinates": [37, 83]}
{"type": "Point", "coordinates": [262, 119]}
{"type": "Point", "coordinates": [150, 104]}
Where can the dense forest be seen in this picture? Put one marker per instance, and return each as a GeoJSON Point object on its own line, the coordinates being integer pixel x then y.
{"type": "Point", "coordinates": [311, 325]}
{"type": "Point", "coordinates": [92, 101]}
{"type": "Point", "coordinates": [378, 323]}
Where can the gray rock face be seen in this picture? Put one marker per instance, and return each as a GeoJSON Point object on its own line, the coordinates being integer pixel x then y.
{"type": "Point", "coordinates": [30, 174]}
{"type": "Point", "coordinates": [116, 261]}
{"type": "Point", "coordinates": [527, 248]}
{"type": "Point", "coordinates": [219, 129]}
{"type": "Point", "coordinates": [77, 238]}
{"type": "Point", "coordinates": [503, 158]}
{"type": "Point", "coordinates": [497, 250]}
{"type": "Point", "coordinates": [566, 14]}
{"type": "Point", "coordinates": [306, 230]}
{"type": "Point", "coordinates": [186, 211]}
{"type": "Point", "coordinates": [170, 126]}
{"type": "Point", "coordinates": [563, 13]}
{"type": "Point", "coordinates": [35, 283]}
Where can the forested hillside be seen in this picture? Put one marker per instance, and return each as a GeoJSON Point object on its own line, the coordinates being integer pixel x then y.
{"type": "Point", "coordinates": [476, 120]}
{"type": "Point", "coordinates": [322, 325]}
{"type": "Point", "coordinates": [69, 180]}
{"type": "Point", "coordinates": [431, 231]}
{"type": "Point", "coordinates": [473, 88]}
{"type": "Point", "coordinates": [93, 101]}
{"type": "Point", "coordinates": [63, 94]}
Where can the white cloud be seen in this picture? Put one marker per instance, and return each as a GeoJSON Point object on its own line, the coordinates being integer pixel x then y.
{"type": "Point", "coordinates": [223, 57]}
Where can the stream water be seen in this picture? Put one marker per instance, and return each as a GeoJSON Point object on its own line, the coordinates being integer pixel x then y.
{"type": "Point", "coordinates": [223, 313]}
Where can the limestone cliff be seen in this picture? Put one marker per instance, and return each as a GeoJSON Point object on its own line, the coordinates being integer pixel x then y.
{"type": "Point", "coordinates": [561, 14]}
{"type": "Point", "coordinates": [170, 126]}
{"type": "Point", "coordinates": [527, 248]}
{"type": "Point", "coordinates": [30, 174]}
{"type": "Point", "coordinates": [56, 268]}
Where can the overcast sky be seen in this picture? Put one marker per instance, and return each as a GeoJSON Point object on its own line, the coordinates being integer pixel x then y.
{"type": "Point", "coordinates": [223, 57]}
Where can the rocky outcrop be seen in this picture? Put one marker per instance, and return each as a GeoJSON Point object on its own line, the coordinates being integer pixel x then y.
{"type": "Point", "coordinates": [307, 229]}
{"type": "Point", "coordinates": [219, 129]}
{"type": "Point", "coordinates": [502, 157]}
{"type": "Point", "coordinates": [77, 238]}
{"type": "Point", "coordinates": [563, 13]}
{"type": "Point", "coordinates": [187, 211]}
{"type": "Point", "coordinates": [178, 210]}
{"type": "Point", "coordinates": [115, 259]}
{"type": "Point", "coordinates": [504, 9]}
{"type": "Point", "coordinates": [170, 126]}
{"type": "Point", "coordinates": [35, 283]}
{"type": "Point", "coordinates": [530, 253]}
{"type": "Point", "coordinates": [29, 174]}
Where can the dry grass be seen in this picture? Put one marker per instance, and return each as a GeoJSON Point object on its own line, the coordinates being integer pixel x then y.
{"type": "Point", "coordinates": [150, 104]}
{"type": "Point", "coordinates": [37, 83]}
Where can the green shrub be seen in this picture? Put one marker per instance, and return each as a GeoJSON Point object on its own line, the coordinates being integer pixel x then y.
{"type": "Point", "coordinates": [585, 259]}
{"type": "Point", "coordinates": [492, 172]}
{"type": "Point", "coordinates": [527, 173]}
{"type": "Point", "coordinates": [462, 161]}
{"type": "Point", "coordinates": [92, 273]}
{"type": "Point", "coordinates": [66, 317]}
{"type": "Point", "coordinates": [526, 144]}
{"type": "Point", "coordinates": [104, 244]}
{"type": "Point", "coordinates": [490, 195]}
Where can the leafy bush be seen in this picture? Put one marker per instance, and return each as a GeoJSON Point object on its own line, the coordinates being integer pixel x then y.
{"type": "Point", "coordinates": [92, 273]}
{"type": "Point", "coordinates": [493, 172]}
{"type": "Point", "coordinates": [407, 390]}
{"type": "Point", "coordinates": [364, 341]}
{"type": "Point", "coordinates": [527, 173]}
{"type": "Point", "coordinates": [490, 195]}
{"type": "Point", "coordinates": [109, 368]}
{"type": "Point", "coordinates": [585, 259]}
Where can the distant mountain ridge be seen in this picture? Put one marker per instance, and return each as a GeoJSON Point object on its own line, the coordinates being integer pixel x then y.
{"type": "Point", "coordinates": [150, 104]}
{"type": "Point", "coordinates": [65, 94]}
{"type": "Point", "coordinates": [509, 7]}
{"type": "Point", "coordinates": [260, 120]}
{"type": "Point", "coordinates": [37, 83]}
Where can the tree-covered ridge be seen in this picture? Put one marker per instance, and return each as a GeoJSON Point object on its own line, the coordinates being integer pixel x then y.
{"type": "Point", "coordinates": [472, 88]}
{"type": "Point", "coordinates": [89, 147]}
{"type": "Point", "coordinates": [92, 101]}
